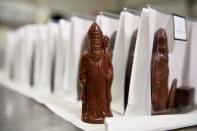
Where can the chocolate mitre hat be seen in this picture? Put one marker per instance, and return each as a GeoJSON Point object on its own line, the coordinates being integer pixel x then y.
{"type": "Point", "coordinates": [94, 31]}
{"type": "Point", "coordinates": [160, 34]}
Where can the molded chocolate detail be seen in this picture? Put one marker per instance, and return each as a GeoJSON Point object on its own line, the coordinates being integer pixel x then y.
{"type": "Point", "coordinates": [96, 75]}
{"type": "Point", "coordinates": [159, 74]}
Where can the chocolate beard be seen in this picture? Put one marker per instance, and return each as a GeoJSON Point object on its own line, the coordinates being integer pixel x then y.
{"type": "Point", "coordinates": [96, 56]}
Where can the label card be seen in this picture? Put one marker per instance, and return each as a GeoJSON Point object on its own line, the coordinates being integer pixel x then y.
{"type": "Point", "coordinates": [180, 30]}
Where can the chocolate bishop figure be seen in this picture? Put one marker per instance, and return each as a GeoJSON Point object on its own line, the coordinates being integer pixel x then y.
{"type": "Point", "coordinates": [160, 70]}
{"type": "Point", "coordinates": [161, 100]}
{"type": "Point", "coordinates": [96, 75]}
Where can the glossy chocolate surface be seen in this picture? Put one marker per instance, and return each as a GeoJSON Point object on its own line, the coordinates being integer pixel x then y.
{"type": "Point", "coordinates": [161, 101]}
{"type": "Point", "coordinates": [160, 71]}
{"type": "Point", "coordinates": [96, 75]}
{"type": "Point", "coordinates": [177, 100]}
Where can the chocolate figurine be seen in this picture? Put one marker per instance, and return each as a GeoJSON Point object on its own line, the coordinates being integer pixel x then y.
{"type": "Point", "coordinates": [161, 101]}
{"type": "Point", "coordinates": [96, 75]}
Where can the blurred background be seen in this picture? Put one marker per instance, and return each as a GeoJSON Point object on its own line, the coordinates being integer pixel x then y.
{"type": "Point", "coordinates": [16, 13]}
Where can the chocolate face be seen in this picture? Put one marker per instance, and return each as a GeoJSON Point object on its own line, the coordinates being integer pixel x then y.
{"type": "Point", "coordinates": [96, 75]}
{"type": "Point", "coordinates": [95, 45]}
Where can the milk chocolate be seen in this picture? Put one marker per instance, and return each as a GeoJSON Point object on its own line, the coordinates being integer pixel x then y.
{"type": "Point", "coordinates": [96, 76]}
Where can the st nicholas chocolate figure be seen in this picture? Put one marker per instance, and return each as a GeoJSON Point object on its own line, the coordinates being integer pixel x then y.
{"type": "Point", "coordinates": [96, 76]}
{"type": "Point", "coordinates": [160, 71]}
{"type": "Point", "coordinates": [162, 98]}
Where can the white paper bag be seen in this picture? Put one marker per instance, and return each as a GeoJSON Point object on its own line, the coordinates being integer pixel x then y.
{"type": "Point", "coordinates": [181, 53]}
{"type": "Point", "coordinates": [41, 75]}
{"type": "Point", "coordinates": [37, 56]}
{"type": "Point", "coordinates": [45, 56]}
{"type": "Point", "coordinates": [27, 48]}
{"type": "Point", "coordinates": [151, 123]}
{"type": "Point", "coordinates": [128, 23]}
{"type": "Point", "coordinates": [190, 72]}
{"type": "Point", "coordinates": [177, 59]}
{"type": "Point", "coordinates": [9, 54]}
{"type": "Point", "coordinates": [22, 39]}
{"type": "Point", "coordinates": [107, 24]}
{"type": "Point", "coordinates": [79, 29]}
{"type": "Point", "coordinates": [61, 55]}
{"type": "Point", "coordinates": [177, 48]}
{"type": "Point", "coordinates": [52, 42]}
{"type": "Point", "coordinates": [17, 55]}
{"type": "Point", "coordinates": [139, 93]}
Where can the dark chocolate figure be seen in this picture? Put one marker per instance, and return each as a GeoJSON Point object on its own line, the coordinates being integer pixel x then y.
{"type": "Point", "coordinates": [161, 101]}
{"type": "Point", "coordinates": [96, 75]}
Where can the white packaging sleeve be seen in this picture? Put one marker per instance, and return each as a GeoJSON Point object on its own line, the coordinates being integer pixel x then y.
{"type": "Point", "coordinates": [139, 91]}
{"type": "Point", "coordinates": [28, 41]}
{"type": "Point", "coordinates": [10, 41]}
{"type": "Point", "coordinates": [151, 123]}
{"type": "Point", "coordinates": [128, 23]}
{"type": "Point", "coordinates": [42, 61]}
{"type": "Point", "coordinates": [79, 29]}
{"type": "Point", "coordinates": [61, 55]}
{"type": "Point", "coordinates": [107, 24]}
{"type": "Point", "coordinates": [190, 73]}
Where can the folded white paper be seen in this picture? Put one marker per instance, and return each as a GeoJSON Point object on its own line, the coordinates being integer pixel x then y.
{"type": "Point", "coordinates": [127, 25]}
{"type": "Point", "coordinates": [107, 24]}
{"type": "Point", "coordinates": [190, 73]}
{"type": "Point", "coordinates": [79, 29]}
{"type": "Point", "coordinates": [27, 45]}
{"type": "Point", "coordinates": [177, 48]}
{"type": "Point", "coordinates": [41, 74]}
{"type": "Point", "coordinates": [151, 123]}
{"type": "Point", "coordinates": [10, 41]}
{"type": "Point", "coordinates": [139, 93]}
{"type": "Point", "coordinates": [53, 41]}
{"type": "Point", "coordinates": [17, 55]}
{"type": "Point", "coordinates": [61, 55]}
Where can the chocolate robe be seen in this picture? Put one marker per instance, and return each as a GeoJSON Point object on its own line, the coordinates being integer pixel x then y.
{"type": "Point", "coordinates": [97, 71]}
{"type": "Point", "coordinates": [160, 71]}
